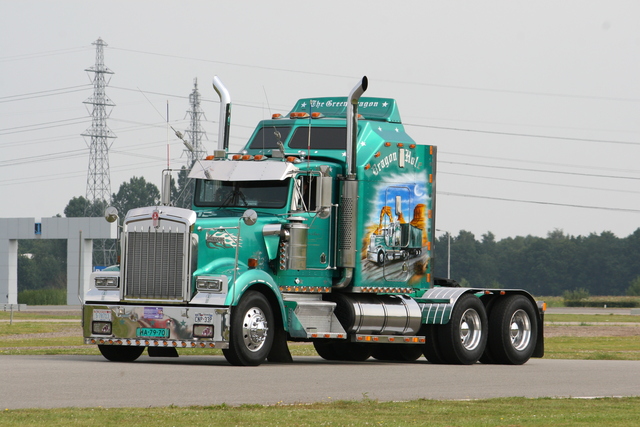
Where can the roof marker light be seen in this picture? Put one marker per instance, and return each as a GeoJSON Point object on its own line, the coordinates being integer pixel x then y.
{"type": "Point", "coordinates": [276, 116]}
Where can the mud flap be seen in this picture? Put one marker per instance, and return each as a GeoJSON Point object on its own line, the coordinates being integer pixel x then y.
{"type": "Point", "coordinates": [162, 352]}
{"type": "Point", "coordinates": [280, 350]}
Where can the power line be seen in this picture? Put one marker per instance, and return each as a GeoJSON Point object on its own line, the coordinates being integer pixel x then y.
{"type": "Point", "coordinates": [527, 135]}
{"type": "Point", "coordinates": [479, 156]}
{"type": "Point", "coordinates": [41, 126]}
{"type": "Point", "coordinates": [539, 170]}
{"type": "Point", "coordinates": [404, 82]}
{"type": "Point", "coordinates": [617, 190]}
{"type": "Point", "coordinates": [47, 53]}
{"type": "Point", "coordinates": [504, 199]}
{"type": "Point", "coordinates": [42, 93]}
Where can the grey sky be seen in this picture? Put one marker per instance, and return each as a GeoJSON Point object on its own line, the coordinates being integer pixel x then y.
{"type": "Point", "coordinates": [526, 101]}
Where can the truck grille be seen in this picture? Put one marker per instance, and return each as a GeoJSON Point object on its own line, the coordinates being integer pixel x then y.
{"type": "Point", "coordinates": [154, 265]}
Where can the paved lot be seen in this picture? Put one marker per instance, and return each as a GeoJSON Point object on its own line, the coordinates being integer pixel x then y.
{"type": "Point", "coordinates": [91, 381]}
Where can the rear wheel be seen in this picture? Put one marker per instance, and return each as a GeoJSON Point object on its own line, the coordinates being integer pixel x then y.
{"type": "Point", "coordinates": [119, 353]}
{"type": "Point", "coordinates": [250, 340]}
{"type": "Point", "coordinates": [514, 330]}
{"type": "Point", "coordinates": [464, 338]}
{"type": "Point", "coordinates": [431, 347]}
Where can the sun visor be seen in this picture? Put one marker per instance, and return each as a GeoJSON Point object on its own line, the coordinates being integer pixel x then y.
{"type": "Point", "coordinates": [230, 170]}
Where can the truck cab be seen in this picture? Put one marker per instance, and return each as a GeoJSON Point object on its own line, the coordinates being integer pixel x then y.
{"type": "Point", "coordinates": [320, 230]}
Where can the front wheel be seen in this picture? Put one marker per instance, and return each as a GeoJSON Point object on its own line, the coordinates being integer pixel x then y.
{"type": "Point", "coordinates": [464, 338]}
{"type": "Point", "coordinates": [120, 353]}
{"type": "Point", "coordinates": [514, 330]}
{"type": "Point", "coordinates": [250, 339]}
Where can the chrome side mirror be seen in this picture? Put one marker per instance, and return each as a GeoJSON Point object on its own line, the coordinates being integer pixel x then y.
{"type": "Point", "coordinates": [249, 217]}
{"type": "Point", "coordinates": [111, 214]}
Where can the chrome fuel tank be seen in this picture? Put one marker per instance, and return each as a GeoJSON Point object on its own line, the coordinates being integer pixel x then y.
{"type": "Point", "coordinates": [377, 314]}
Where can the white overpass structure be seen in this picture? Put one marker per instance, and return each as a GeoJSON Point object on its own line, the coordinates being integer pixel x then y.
{"type": "Point", "coordinates": [79, 233]}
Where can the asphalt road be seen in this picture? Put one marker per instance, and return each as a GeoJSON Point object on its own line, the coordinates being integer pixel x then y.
{"type": "Point", "coordinates": [91, 381]}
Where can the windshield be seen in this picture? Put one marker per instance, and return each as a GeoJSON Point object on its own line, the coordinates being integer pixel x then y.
{"type": "Point", "coordinates": [254, 194]}
{"type": "Point", "coordinates": [268, 137]}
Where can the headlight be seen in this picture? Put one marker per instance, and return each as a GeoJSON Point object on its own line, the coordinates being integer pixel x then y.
{"type": "Point", "coordinates": [211, 284]}
{"type": "Point", "coordinates": [106, 282]}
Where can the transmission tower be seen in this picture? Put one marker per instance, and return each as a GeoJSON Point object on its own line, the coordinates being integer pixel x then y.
{"type": "Point", "coordinates": [194, 135]}
{"type": "Point", "coordinates": [98, 176]}
{"type": "Point", "coordinates": [195, 131]}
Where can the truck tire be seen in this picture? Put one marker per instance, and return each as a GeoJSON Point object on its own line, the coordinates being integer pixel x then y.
{"type": "Point", "coordinates": [343, 350]}
{"type": "Point", "coordinates": [513, 330]}
{"type": "Point", "coordinates": [119, 353]}
{"type": "Point", "coordinates": [464, 338]}
{"type": "Point", "coordinates": [431, 348]}
{"type": "Point", "coordinates": [250, 340]}
{"type": "Point", "coordinates": [397, 352]}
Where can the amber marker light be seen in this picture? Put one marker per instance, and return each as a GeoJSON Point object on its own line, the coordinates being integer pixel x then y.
{"type": "Point", "coordinates": [276, 116]}
{"type": "Point", "coordinates": [236, 157]}
{"type": "Point", "coordinates": [252, 263]}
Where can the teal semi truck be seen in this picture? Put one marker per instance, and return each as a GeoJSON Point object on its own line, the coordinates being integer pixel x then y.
{"type": "Point", "coordinates": [295, 239]}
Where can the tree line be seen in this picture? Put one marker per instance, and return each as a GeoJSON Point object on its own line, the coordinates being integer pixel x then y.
{"type": "Point", "coordinates": [42, 264]}
{"type": "Point", "coordinates": [601, 264]}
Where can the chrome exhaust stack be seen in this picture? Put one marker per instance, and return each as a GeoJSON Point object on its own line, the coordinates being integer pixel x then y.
{"type": "Point", "coordinates": [352, 125]}
{"type": "Point", "coordinates": [225, 113]}
{"type": "Point", "coordinates": [347, 252]}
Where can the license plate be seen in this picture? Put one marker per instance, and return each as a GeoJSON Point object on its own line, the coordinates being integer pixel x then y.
{"type": "Point", "coordinates": [152, 333]}
{"type": "Point", "coordinates": [102, 315]}
{"type": "Point", "coordinates": [203, 318]}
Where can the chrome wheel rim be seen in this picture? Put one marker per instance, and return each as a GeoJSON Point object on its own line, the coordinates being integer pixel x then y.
{"type": "Point", "coordinates": [254, 329]}
{"type": "Point", "coordinates": [520, 330]}
{"type": "Point", "coordinates": [470, 330]}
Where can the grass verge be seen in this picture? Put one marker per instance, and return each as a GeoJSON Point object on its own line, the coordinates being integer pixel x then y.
{"type": "Point", "coordinates": [492, 412]}
{"type": "Point", "coordinates": [64, 337]}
